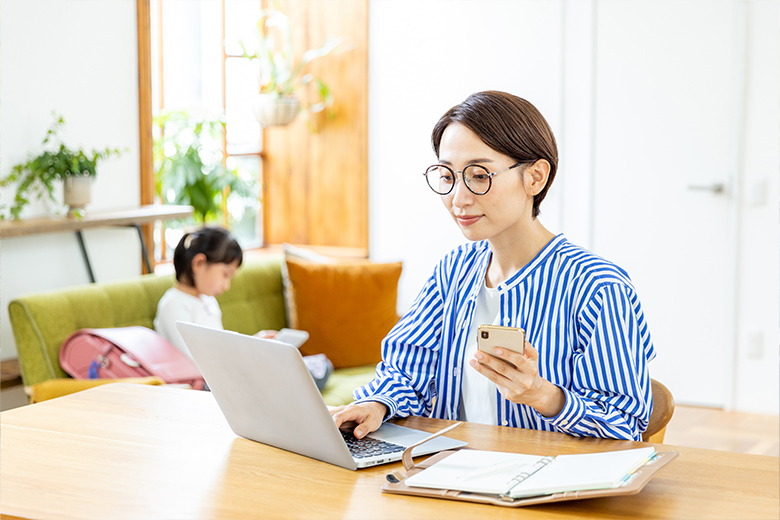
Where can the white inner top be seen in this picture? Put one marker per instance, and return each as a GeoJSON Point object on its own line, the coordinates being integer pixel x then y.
{"type": "Point", "coordinates": [478, 393]}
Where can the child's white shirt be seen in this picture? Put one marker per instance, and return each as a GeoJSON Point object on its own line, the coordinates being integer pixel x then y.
{"type": "Point", "coordinates": [176, 305]}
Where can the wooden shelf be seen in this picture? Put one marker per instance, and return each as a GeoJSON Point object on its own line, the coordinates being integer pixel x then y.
{"type": "Point", "coordinates": [130, 217]}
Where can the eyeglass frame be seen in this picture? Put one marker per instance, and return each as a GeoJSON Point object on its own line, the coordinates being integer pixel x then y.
{"type": "Point", "coordinates": [488, 172]}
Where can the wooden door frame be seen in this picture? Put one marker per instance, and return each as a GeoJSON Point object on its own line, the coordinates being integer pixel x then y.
{"type": "Point", "coordinates": [145, 139]}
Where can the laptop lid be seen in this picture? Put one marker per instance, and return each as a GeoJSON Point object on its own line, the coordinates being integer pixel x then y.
{"type": "Point", "coordinates": [267, 395]}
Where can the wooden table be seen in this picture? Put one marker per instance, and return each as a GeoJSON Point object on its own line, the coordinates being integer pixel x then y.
{"type": "Point", "coordinates": [131, 217]}
{"type": "Point", "coordinates": [131, 451]}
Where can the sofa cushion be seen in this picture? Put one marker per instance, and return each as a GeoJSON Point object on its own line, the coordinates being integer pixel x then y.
{"type": "Point", "coordinates": [255, 300]}
{"type": "Point", "coordinates": [347, 308]}
{"type": "Point", "coordinates": [297, 253]}
{"type": "Point", "coordinates": [341, 383]}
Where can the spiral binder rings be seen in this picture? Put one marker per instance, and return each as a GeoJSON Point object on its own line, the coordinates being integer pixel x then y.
{"type": "Point", "coordinates": [514, 480]}
{"type": "Point", "coordinates": [524, 475]}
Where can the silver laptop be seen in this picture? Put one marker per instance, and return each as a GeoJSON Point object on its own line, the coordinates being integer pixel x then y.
{"type": "Point", "coordinates": [267, 395]}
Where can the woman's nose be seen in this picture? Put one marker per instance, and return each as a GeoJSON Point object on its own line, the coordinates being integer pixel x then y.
{"type": "Point", "coordinates": [461, 195]}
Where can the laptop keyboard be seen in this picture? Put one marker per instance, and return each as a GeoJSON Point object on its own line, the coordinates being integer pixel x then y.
{"type": "Point", "coordinates": [365, 447]}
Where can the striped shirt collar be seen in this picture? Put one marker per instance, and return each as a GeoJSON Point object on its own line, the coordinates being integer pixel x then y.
{"type": "Point", "coordinates": [540, 258]}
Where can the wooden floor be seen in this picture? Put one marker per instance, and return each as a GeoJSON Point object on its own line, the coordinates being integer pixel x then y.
{"type": "Point", "coordinates": [726, 431]}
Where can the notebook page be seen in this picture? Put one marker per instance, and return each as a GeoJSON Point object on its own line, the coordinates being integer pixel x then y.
{"type": "Point", "coordinates": [583, 472]}
{"type": "Point", "coordinates": [490, 472]}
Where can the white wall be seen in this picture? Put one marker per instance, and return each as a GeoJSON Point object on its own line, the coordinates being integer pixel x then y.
{"type": "Point", "coordinates": [565, 56]}
{"type": "Point", "coordinates": [78, 57]}
{"type": "Point", "coordinates": [425, 57]}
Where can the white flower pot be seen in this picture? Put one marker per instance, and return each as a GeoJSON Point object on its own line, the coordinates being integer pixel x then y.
{"type": "Point", "coordinates": [272, 110]}
{"type": "Point", "coordinates": [77, 193]}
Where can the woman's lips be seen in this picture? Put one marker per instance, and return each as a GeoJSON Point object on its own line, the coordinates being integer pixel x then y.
{"type": "Point", "coordinates": [467, 220]}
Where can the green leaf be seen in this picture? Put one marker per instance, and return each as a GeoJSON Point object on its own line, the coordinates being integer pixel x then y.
{"type": "Point", "coordinates": [193, 168]}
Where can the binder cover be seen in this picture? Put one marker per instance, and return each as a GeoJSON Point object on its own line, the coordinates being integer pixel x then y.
{"type": "Point", "coordinates": [635, 484]}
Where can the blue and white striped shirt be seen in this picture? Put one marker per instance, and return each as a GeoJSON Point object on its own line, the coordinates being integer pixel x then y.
{"type": "Point", "coordinates": [578, 310]}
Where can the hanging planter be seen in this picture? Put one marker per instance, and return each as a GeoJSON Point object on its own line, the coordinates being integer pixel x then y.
{"type": "Point", "coordinates": [275, 110]}
{"type": "Point", "coordinates": [281, 77]}
{"type": "Point", "coordinates": [77, 193]}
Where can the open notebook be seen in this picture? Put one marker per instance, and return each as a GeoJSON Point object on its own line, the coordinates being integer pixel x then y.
{"type": "Point", "coordinates": [516, 475]}
{"type": "Point", "coordinates": [514, 479]}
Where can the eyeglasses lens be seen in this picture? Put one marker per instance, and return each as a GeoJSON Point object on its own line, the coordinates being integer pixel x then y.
{"type": "Point", "coordinates": [441, 179]}
{"type": "Point", "coordinates": [477, 178]}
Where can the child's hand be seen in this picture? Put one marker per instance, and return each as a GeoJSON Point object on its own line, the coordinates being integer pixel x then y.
{"type": "Point", "coordinates": [267, 334]}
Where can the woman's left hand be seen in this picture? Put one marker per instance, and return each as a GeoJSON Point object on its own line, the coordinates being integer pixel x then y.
{"type": "Point", "coordinates": [517, 378]}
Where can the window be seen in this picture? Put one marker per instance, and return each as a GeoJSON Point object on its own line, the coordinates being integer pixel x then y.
{"type": "Point", "coordinates": [314, 185]}
{"type": "Point", "coordinates": [193, 72]}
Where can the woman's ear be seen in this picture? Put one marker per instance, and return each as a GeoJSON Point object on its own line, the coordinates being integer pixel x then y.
{"type": "Point", "coordinates": [536, 176]}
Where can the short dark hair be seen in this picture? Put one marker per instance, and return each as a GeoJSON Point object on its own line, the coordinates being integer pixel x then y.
{"type": "Point", "coordinates": [509, 125]}
{"type": "Point", "coordinates": [216, 243]}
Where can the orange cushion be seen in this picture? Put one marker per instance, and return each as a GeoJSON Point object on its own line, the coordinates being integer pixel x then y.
{"type": "Point", "coordinates": [347, 308]}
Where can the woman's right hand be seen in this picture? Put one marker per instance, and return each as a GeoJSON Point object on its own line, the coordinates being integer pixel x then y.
{"type": "Point", "coordinates": [368, 417]}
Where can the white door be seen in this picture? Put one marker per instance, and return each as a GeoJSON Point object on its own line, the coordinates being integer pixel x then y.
{"type": "Point", "coordinates": [664, 194]}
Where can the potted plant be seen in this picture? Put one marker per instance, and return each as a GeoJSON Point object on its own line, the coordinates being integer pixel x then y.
{"type": "Point", "coordinates": [36, 177]}
{"type": "Point", "coordinates": [280, 77]}
{"type": "Point", "coordinates": [188, 164]}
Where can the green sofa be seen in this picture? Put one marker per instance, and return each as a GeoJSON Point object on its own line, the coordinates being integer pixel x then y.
{"type": "Point", "coordinates": [255, 301]}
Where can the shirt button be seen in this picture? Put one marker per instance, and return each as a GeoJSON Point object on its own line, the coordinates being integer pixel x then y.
{"type": "Point", "coordinates": [506, 321]}
{"type": "Point", "coordinates": [564, 422]}
{"type": "Point", "coordinates": [456, 372]}
{"type": "Point", "coordinates": [504, 422]}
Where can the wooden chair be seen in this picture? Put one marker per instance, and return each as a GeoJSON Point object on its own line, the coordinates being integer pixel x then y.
{"type": "Point", "coordinates": [663, 409]}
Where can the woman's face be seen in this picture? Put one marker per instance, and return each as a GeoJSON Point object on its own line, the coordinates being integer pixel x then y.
{"type": "Point", "coordinates": [502, 213]}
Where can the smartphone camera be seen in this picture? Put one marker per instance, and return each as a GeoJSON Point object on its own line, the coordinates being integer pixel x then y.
{"type": "Point", "coordinates": [485, 334]}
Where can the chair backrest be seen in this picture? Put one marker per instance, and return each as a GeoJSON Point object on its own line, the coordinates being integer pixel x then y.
{"type": "Point", "coordinates": [663, 409]}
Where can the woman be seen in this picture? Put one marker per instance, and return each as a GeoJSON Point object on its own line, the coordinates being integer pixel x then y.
{"type": "Point", "coordinates": [584, 369]}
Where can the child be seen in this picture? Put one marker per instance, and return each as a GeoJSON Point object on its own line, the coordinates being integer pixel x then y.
{"type": "Point", "coordinates": [205, 262]}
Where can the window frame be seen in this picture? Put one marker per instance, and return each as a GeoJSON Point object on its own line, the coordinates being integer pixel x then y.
{"type": "Point", "coordinates": [145, 89]}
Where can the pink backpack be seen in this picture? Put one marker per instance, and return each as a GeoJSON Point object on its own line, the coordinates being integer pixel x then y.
{"type": "Point", "coordinates": [127, 352]}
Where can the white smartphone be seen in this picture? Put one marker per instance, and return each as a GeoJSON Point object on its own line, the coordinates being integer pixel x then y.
{"type": "Point", "coordinates": [491, 336]}
{"type": "Point", "coordinates": [293, 337]}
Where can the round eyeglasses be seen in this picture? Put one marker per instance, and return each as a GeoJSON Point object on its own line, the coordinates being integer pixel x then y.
{"type": "Point", "coordinates": [478, 179]}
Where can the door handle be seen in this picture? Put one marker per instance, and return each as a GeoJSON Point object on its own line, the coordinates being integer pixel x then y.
{"type": "Point", "coordinates": [717, 187]}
